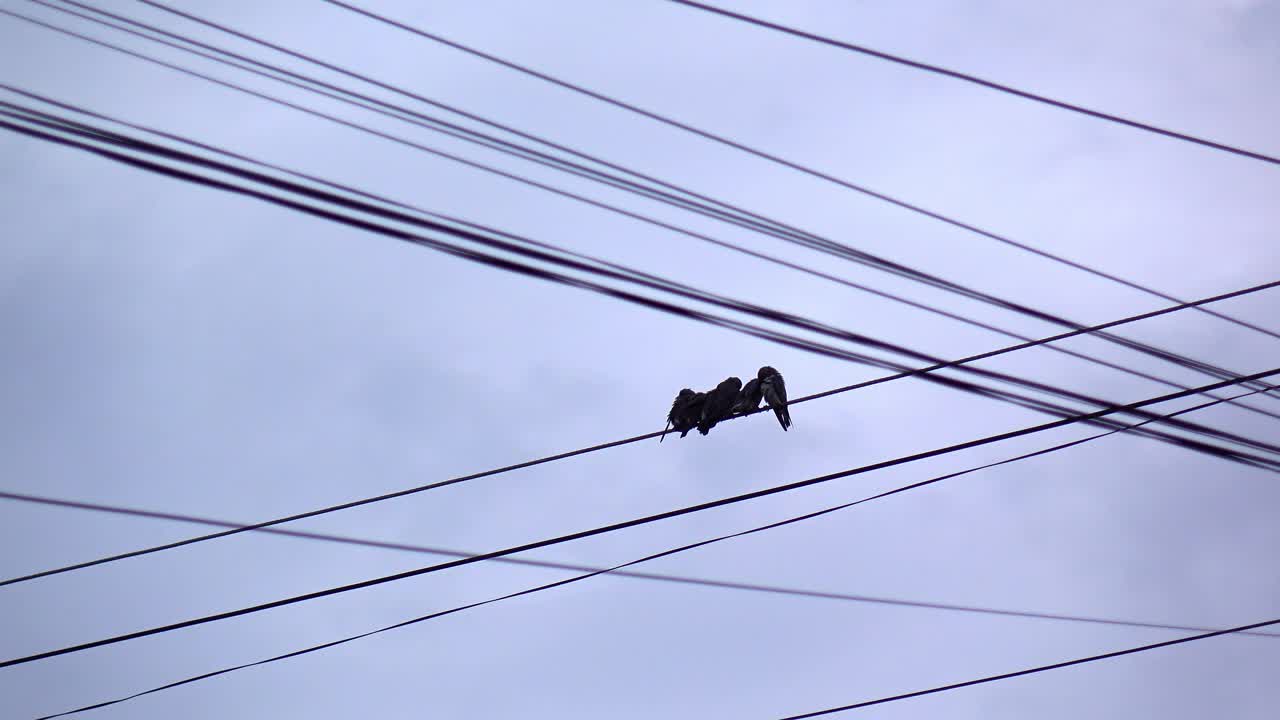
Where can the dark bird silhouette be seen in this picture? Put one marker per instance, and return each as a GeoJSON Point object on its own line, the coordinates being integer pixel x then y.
{"type": "Point", "coordinates": [719, 404]}
{"type": "Point", "coordinates": [749, 398]}
{"type": "Point", "coordinates": [774, 389]}
{"type": "Point", "coordinates": [686, 411]}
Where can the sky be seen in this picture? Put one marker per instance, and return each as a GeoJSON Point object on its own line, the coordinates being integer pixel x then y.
{"type": "Point", "coordinates": [172, 348]}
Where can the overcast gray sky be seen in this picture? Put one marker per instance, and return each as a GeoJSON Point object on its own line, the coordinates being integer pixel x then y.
{"type": "Point", "coordinates": [173, 348]}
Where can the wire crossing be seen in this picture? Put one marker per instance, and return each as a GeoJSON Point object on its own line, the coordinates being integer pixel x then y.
{"type": "Point", "coordinates": [738, 217]}
{"type": "Point", "coordinates": [622, 566]}
{"type": "Point", "coordinates": [681, 311]}
{"type": "Point", "coordinates": [708, 135]}
{"type": "Point", "coordinates": [659, 577]}
{"type": "Point", "coordinates": [643, 280]}
{"type": "Point", "coordinates": [372, 582]}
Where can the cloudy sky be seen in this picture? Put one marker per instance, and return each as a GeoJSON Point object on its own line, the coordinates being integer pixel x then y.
{"type": "Point", "coordinates": [172, 348]}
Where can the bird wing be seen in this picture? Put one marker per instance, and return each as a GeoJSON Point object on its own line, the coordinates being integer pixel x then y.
{"type": "Point", "coordinates": [676, 407]}
{"type": "Point", "coordinates": [780, 387]}
{"type": "Point", "coordinates": [749, 398]}
{"type": "Point", "coordinates": [775, 393]}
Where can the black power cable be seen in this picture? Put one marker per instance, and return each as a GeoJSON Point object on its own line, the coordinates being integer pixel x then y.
{"type": "Point", "coordinates": [613, 527]}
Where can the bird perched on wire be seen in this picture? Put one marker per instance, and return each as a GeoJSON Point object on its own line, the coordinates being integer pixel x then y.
{"type": "Point", "coordinates": [719, 404]}
{"type": "Point", "coordinates": [749, 398]}
{"type": "Point", "coordinates": [686, 411]}
{"type": "Point", "coordinates": [774, 390]}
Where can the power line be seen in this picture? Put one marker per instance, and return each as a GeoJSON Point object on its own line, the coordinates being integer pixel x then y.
{"type": "Point", "coordinates": [661, 224]}
{"type": "Point", "coordinates": [1237, 456]}
{"type": "Point", "coordinates": [1039, 669]}
{"type": "Point", "coordinates": [613, 527]}
{"type": "Point", "coordinates": [551, 565]}
{"type": "Point", "coordinates": [722, 140]}
{"type": "Point", "coordinates": [646, 281]}
{"type": "Point", "coordinates": [620, 567]}
{"type": "Point", "coordinates": [754, 222]}
{"type": "Point", "coordinates": [1165, 355]}
{"type": "Point", "coordinates": [584, 173]}
{"type": "Point", "coordinates": [687, 313]}
{"type": "Point", "coordinates": [989, 84]}
{"type": "Point", "coordinates": [864, 257]}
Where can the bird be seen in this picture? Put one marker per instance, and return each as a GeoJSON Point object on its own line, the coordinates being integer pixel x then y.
{"type": "Point", "coordinates": [774, 389]}
{"type": "Point", "coordinates": [749, 398]}
{"type": "Point", "coordinates": [686, 410]}
{"type": "Point", "coordinates": [719, 403]}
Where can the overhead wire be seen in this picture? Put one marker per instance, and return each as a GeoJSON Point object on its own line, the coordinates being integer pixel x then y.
{"type": "Point", "coordinates": [100, 135]}
{"type": "Point", "coordinates": [474, 226]}
{"type": "Point", "coordinates": [750, 330]}
{"type": "Point", "coordinates": [727, 142]}
{"type": "Point", "coordinates": [622, 566]}
{"type": "Point", "coordinates": [553, 565]}
{"type": "Point", "coordinates": [647, 281]}
{"type": "Point", "coordinates": [752, 222]}
{"type": "Point", "coordinates": [922, 306]}
{"type": "Point", "coordinates": [975, 80]}
{"type": "Point", "coordinates": [1038, 669]}
{"type": "Point", "coordinates": [880, 263]}
{"type": "Point", "coordinates": [614, 527]}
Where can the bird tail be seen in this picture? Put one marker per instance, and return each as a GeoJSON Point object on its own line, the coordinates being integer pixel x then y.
{"type": "Point", "coordinates": [663, 436]}
{"type": "Point", "coordinates": [784, 416]}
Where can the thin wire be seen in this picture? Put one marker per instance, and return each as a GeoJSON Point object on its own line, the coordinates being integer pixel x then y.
{"type": "Point", "coordinates": [551, 565]}
{"type": "Point", "coordinates": [1040, 669]}
{"type": "Point", "coordinates": [789, 234]}
{"type": "Point", "coordinates": [989, 84]}
{"type": "Point", "coordinates": [613, 527]}
{"type": "Point", "coordinates": [618, 568]}
{"type": "Point", "coordinates": [772, 158]}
